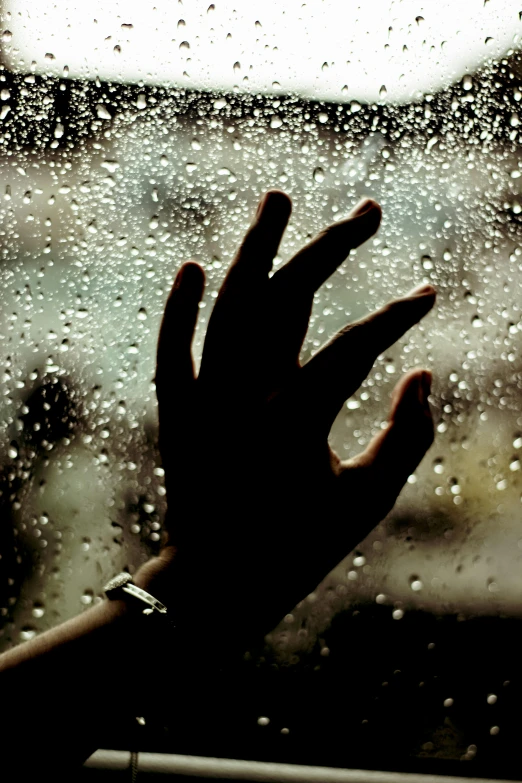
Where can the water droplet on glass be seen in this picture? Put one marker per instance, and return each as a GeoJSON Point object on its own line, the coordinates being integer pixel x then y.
{"type": "Point", "coordinates": [87, 597]}
{"type": "Point", "coordinates": [318, 175]}
{"type": "Point", "coordinates": [141, 101]}
{"type": "Point", "coordinates": [102, 112]}
{"type": "Point", "coordinates": [415, 584]}
{"type": "Point", "coordinates": [383, 92]}
{"type": "Point", "coordinates": [492, 698]}
{"type": "Point", "coordinates": [184, 46]}
{"type": "Point", "coordinates": [263, 721]}
{"type": "Point", "coordinates": [7, 36]}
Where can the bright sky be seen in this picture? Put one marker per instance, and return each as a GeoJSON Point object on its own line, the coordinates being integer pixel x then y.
{"type": "Point", "coordinates": [340, 50]}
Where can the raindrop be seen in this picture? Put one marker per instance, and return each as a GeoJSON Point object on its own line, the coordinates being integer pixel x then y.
{"type": "Point", "coordinates": [467, 83]}
{"type": "Point", "coordinates": [398, 614]}
{"type": "Point", "coordinates": [102, 112]}
{"type": "Point", "coordinates": [6, 36]}
{"type": "Point", "coordinates": [110, 165]}
{"type": "Point", "coordinates": [191, 167]}
{"type": "Point", "coordinates": [5, 95]}
{"type": "Point", "coordinates": [263, 721]}
{"type": "Point", "coordinates": [383, 92]}
{"type": "Point", "coordinates": [492, 698]}
{"type": "Point", "coordinates": [318, 175]}
{"type": "Point", "coordinates": [141, 101]}
{"type": "Point", "coordinates": [87, 597]}
{"type": "Point", "coordinates": [448, 702]}
{"type": "Point", "coordinates": [117, 49]}
{"type": "Point", "coordinates": [415, 584]}
{"type": "Point", "coordinates": [184, 45]}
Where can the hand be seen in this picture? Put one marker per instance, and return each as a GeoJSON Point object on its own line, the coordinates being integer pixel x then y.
{"type": "Point", "coordinates": [260, 508]}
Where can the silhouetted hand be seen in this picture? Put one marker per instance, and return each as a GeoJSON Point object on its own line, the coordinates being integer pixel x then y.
{"type": "Point", "coordinates": [260, 508]}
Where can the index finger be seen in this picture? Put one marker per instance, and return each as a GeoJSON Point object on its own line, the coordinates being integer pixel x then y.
{"type": "Point", "coordinates": [314, 264]}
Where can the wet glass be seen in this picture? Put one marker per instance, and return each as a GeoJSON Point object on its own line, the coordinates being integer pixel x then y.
{"type": "Point", "coordinates": [117, 167]}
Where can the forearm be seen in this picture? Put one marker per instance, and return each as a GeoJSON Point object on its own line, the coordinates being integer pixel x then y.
{"type": "Point", "coordinates": [62, 691]}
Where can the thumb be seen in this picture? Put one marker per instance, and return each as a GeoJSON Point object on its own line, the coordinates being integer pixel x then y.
{"type": "Point", "coordinates": [395, 452]}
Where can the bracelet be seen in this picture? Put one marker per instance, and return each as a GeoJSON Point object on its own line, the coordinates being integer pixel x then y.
{"type": "Point", "coordinates": [122, 583]}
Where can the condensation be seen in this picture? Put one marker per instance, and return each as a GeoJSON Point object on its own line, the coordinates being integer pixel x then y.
{"type": "Point", "coordinates": [107, 188]}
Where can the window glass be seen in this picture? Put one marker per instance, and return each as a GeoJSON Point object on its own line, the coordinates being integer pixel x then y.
{"type": "Point", "coordinates": [124, 152]}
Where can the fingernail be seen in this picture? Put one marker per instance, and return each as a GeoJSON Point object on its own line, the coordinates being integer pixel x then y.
{"type": "Point", "coordinates": [425, 386]}
{"type": "Point", "coordinates": [274, 200]}
{"type": "Point", "coordinates": [262, 203]}
{"type": "Point", "coordinates": [364, 207]}
{"type": "Point", "coordinates": [178, 278]}
{"type": "Point", "coordinates": [422, 290]}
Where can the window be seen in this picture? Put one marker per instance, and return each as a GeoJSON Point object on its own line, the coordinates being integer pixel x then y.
{"type": "Point", "coordinates": [137, 136]}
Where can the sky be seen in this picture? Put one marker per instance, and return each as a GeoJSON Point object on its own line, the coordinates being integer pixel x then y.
{"type": "Point", "coordinates": [390, 51]}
